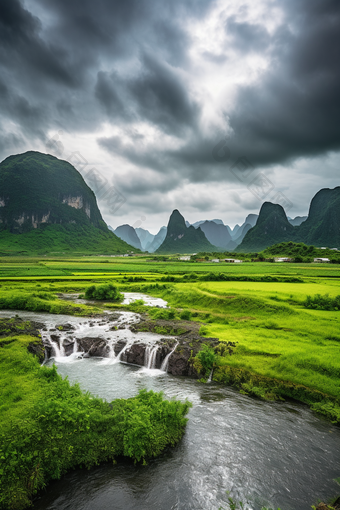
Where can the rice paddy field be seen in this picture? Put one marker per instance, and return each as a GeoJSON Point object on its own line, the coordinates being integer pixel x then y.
{"type": "Point", "coordinates": [278, 340]}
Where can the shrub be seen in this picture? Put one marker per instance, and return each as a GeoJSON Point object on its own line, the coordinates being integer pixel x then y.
{"type": "Point", "coordinates": [205, 360]}
{"type": "Point", "coordinates": [203, 331]}
{"type": "Point", "coordinates": [44, 436]}
{"type": "Point", "coordinates": [104, 292]}
{"type": "Point", "coordinates": [162, 313]}
{"type": "Point", "coordinates": [325, 302]}
{"type": "Point", "coordinates": [185, 315]}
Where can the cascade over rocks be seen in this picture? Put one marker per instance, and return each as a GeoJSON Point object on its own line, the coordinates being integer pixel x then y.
{"type": "Point", "coordinates": [173, 353]}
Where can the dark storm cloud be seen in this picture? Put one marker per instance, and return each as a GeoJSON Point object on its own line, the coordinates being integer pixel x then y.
{"type": "Point", "coordinates": [162, 98]}
{"type": "Point", "coordinates": [156, 95]}
{"type": "Point", "coordinates": [109, 92]}
{"type": "Point", "coordinates": [80, 63]}
{"type": "Point", "coordinates": [21, 45]}
{"type": "Point", "coordinates": [246, 37]}
{"type": "Point", "coordinates": [294, 109]}
{"type": "Point", "coordinates": [59, 60]}
{"type": "Point", "coordinates": [192, 162]}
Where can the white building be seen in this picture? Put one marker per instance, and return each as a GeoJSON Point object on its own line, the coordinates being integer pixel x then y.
{"type": "Point", "coordinates": [236, 261]}
{"type": "Point", "coordinates": [185, 257]}
{"type": "Point", "coordinates": [321, 259]}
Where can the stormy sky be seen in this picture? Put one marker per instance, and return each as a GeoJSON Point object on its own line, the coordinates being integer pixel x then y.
{"type": "Point", "coordinates": [207, 106]}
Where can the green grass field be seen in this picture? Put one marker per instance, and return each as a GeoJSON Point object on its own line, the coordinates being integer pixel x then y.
{"type": "Point", "coordinates": [282, 350]}
{"type": "Point", "coordinates": [276, 336]}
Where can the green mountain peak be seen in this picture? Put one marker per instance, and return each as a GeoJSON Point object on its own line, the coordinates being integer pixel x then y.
{"type": "Point", "coordinates": [272, 227]}
{"type": "Point", "coordinates": [45, 205]}
{"type": "Point", "coordinates": [183, 239]}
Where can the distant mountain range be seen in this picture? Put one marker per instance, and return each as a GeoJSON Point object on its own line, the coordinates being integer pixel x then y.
{"type": "Point", "coordinates": [129, 235]}
{"type": "Point", "coordinates": [46, 206]}
{"type": "Point", "coordinates": [140, 238]}
{"type": "Point", "coordinates": [219, 235]}
{"type": "Point", "coordinates": [257, 232]}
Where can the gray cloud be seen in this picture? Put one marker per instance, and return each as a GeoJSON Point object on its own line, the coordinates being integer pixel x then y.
{"type": "Point", "coordinates": [108, 91]}
{"type": "Point", "coordinates": [162, 97]}
{"type": "Point", "coordinates": [137, 65]}
{"type": "Point", "coordinates": [156, 95]}
{"type": "Point", "coordinates": [247, 37]}
{"type": "Point", "coordinates": [294, 109]}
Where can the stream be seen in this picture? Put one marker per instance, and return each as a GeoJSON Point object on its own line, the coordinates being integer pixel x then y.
{"type": "Point", "coordinates": [269, 454]}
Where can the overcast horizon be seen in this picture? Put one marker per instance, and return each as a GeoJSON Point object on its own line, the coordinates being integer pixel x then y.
{"type": "Point", "coordinates": [209, 107]}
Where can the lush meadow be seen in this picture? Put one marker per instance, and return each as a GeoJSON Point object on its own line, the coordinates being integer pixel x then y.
{"type": "Point", "coordinates": [282, 348]}
{"type": "Point", "coordinates": [276, 335]}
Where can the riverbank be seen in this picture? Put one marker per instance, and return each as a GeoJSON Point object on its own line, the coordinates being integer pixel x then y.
{"type": "Point", "coordinates": [280, 349]}
{"type": "Point", "coordinates": [93, 368]}
{"type": "Point", "coordinates": [48, 426]}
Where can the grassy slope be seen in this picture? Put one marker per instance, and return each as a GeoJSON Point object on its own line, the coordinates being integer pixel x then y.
{"type": "Point", "coordinates": [62, 238]}
{"type": "Point", "coordinates": [274, 339]}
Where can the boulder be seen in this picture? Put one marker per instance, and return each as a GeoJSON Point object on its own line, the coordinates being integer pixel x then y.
{"type": "Point", "coordinates": [65, 327]}
{"type": "Point", "coordinates": [94, 346]}
{"type": "Point", "coordinates": [99, 349]}
{"type": "Point", "coordinates": [135, 354]}
{"type": "Point", "coordinates": [37, 348]}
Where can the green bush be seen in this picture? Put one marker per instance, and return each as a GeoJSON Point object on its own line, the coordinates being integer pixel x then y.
{"type": "Point", "coordinates": [57, 428]}
{"type": "Point", "coordinates": [203, 331]}
{"type": "Point", "coordinates": [104, 292]}
{"type": "Point", "coordinates": [325, 302]}
{"type": "Point", "coordinates": [205, 360]}
{"type": "Point", "coordinates": [185, 315]}
{"type": "Point", "coordinates": [162, 313]}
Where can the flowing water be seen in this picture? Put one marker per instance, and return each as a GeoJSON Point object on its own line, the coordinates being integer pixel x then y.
{"type": "Point", "coordinates": [273, 454]}
{"type": "Point", "coordinates": [129, 297]}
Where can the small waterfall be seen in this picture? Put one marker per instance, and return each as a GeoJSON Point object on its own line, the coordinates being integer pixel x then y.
{"type": "Point", "coordinates": [62, 349]}
{"type": "Point", "coordinates": [59, 351]}
{"type": "Point", "coordinates": [150, 356]}
{"type": "Point", "coordinates": [75, 346]}
{"type": "Point", "coordinates": [112, 354]}
{"type": "Point", "coordinates": [210, 376]}
{"type": "Point", "coordinates": [165, 362]}
{"type": "Point", "coordinates": [55, 348]}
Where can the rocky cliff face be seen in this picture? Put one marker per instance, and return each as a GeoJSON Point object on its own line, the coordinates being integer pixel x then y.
{"type": "Point", "coordinates": [37, 189]}
{"type": "Point", "coordinates": [322, 227]}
